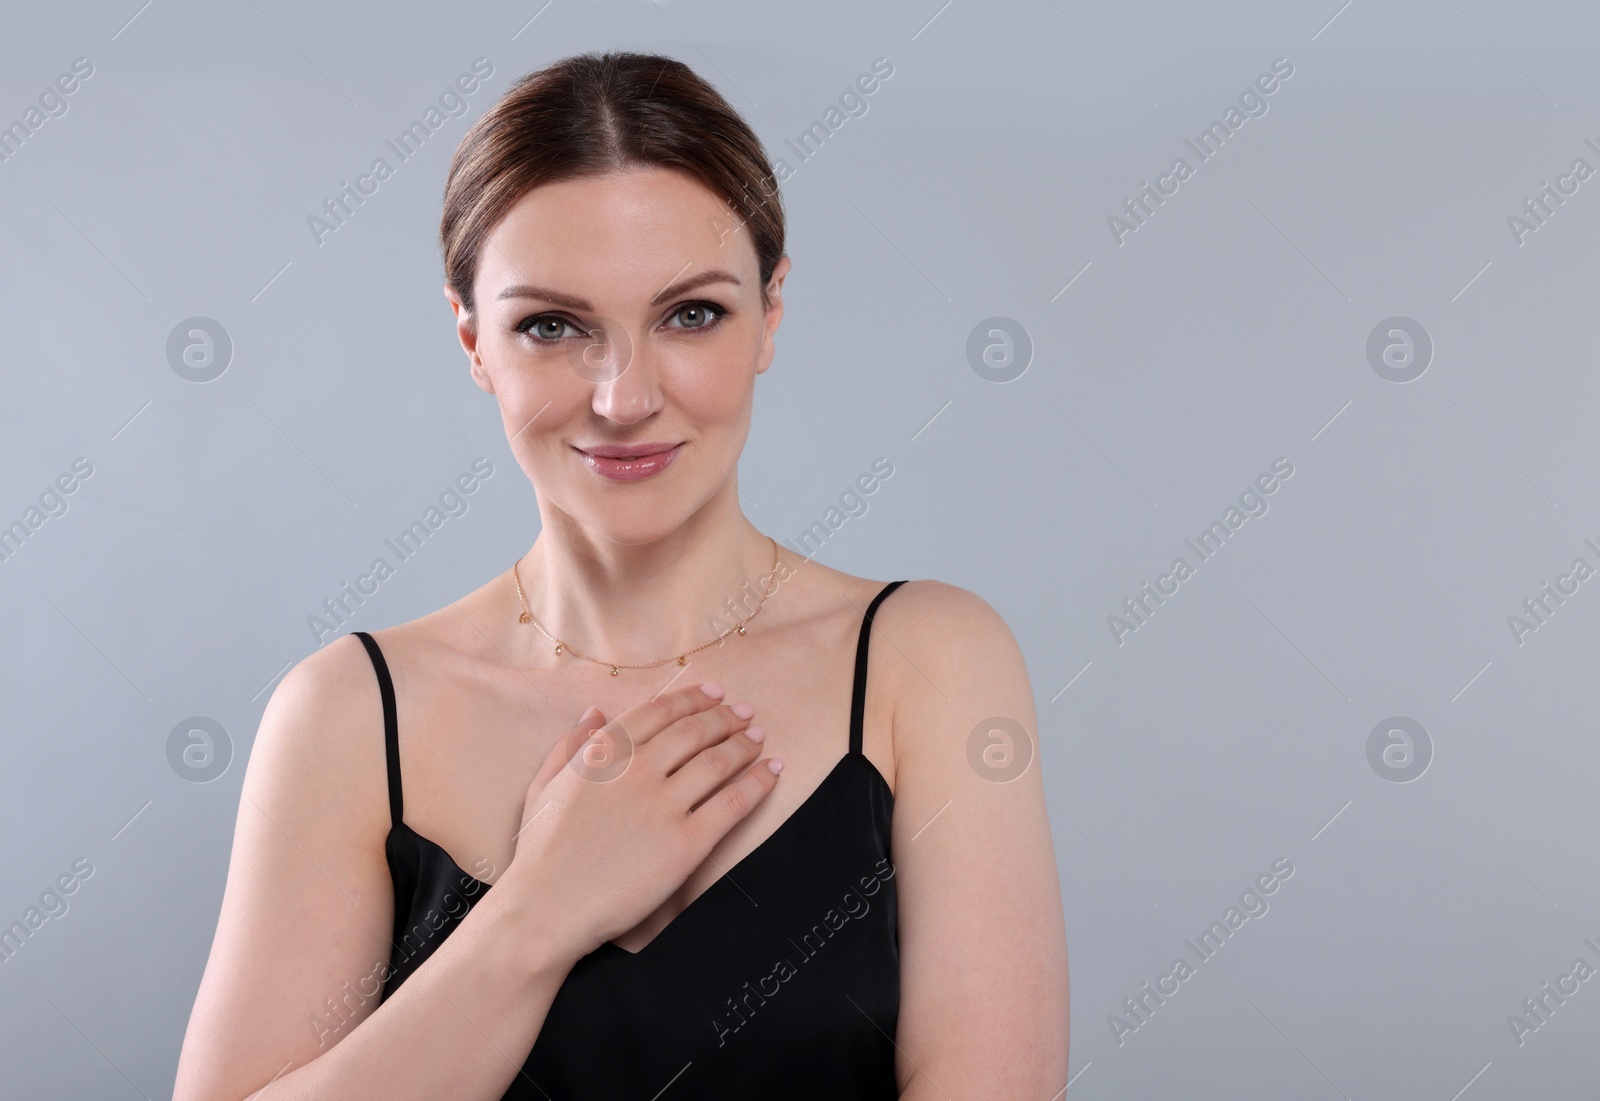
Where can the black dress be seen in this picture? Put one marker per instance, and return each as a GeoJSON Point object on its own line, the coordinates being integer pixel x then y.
{"type": "Point", "coordinates": [781, 980]}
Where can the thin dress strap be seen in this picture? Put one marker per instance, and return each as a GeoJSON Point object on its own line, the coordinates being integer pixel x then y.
{"type": "Point", "coordinates": [391, 725]}
{"type": "Point", "coordinates": [858, 692]}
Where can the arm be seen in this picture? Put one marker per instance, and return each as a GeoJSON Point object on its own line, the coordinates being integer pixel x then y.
{"type": "Point", "coordinates": [288, 1000]}
{"type": "Point", "coordinates": [983, 1004]}
{"type": "Point", "coordinates": [303, 938]}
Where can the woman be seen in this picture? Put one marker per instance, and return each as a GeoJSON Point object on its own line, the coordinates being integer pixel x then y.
{"type": "Point", "coordinates": [809, 883]}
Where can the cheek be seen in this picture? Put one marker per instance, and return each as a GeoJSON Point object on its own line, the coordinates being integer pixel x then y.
{"type": "Point", "coordinates": [526, 382]}
{"type": "Point", "coordinates": [715, 405]}
{"type": "Point", "coordinates": [715, 386]}
{"type": "Point", "coordinates": [538, 400]}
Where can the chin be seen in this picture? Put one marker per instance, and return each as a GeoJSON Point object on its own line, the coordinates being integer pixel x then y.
{"type": "Point", "coordinates": [633, 527]}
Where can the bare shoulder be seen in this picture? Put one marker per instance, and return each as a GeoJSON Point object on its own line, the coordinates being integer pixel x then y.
{"type": "Point", "coordinates": [941, 610]}
{"type": "Point", "coordinates": [320, 741]}
{"type": "Point", "coordinates": [329, 676]}
{"type": "Point", "coordinates": [956, 660]}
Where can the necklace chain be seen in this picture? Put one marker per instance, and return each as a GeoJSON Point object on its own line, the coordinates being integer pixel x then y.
{"type": "Point", "coordinates": [564, 648]}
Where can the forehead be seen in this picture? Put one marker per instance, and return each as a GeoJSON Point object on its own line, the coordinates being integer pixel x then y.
{"type": "Point", "coordinates": [626, 235]}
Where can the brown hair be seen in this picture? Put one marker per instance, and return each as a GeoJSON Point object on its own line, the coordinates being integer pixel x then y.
{"type": "Point", "coordinates": [595, 113]}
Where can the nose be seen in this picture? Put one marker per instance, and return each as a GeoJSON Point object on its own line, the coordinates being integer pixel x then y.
{"type": "Point", "coordinates": [625, 390]}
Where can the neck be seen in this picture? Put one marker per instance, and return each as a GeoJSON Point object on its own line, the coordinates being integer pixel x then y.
{"type": "Point", "coordinates": [641, 602]}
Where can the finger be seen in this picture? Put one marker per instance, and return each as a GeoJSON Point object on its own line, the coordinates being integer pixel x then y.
{"type": "Point", "coordinates": [678, 744]}
{"type": "Point", "coordinates": [727, 808]}
{"type": "Point", "coordinates": [712, 767]}
{"type": "Point", "coordinates": [644, 721]}
{"type": "Point", "coordinates": [558, 756]}
{"type": "Point", "coordinates": [567, 746]}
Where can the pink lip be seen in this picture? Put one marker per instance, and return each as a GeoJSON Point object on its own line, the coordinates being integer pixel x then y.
{"type": "Point", "coordinates": [649, 460]}
{"type": "Point", "coordinates": [623, 450]}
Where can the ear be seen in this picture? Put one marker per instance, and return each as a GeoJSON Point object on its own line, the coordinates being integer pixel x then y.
{"type": "Point", "coordinates": [774, 313]}
{"type": "Point", "coordinates": [467, 333]}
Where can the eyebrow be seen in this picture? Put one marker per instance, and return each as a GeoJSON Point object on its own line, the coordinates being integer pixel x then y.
{"type": "Point", "coordinates": [572, 302]}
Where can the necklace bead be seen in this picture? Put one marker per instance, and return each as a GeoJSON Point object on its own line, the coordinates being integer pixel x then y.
{"type": "Point", "coordinates": [561, 647]}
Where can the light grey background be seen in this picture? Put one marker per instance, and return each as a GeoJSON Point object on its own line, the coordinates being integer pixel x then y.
{"type": "Point", "coordinates": [1230, 330]}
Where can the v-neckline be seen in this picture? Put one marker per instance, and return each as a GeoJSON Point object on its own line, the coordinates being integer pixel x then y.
{"type": "Point", "coordinates": [727, 876]}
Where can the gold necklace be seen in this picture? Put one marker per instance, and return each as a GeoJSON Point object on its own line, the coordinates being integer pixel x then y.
{"type": "Point", "coordinates": [562, 647]}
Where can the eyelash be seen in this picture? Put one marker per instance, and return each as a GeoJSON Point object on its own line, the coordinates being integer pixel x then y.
{"type": "Point", "coordinates": [719, 316]}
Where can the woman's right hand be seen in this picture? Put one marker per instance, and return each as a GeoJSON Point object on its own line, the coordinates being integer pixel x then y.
{"type": "Point", "coordinates": [620, 813]}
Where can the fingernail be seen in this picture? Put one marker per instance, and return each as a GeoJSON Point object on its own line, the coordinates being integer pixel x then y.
{"type": "Point", "coordinates": [587, 715]}
{"type": "Point", "coordinates": [775, 765]}
{"type": "Point", "coordinates": [712, 689]}
{"type": "Point", "coordinates": [743, 710]}
{"type": "Point", "coordinates": [755, 732]}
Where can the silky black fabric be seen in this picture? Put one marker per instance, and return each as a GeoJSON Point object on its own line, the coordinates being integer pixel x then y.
{"type": "Point", "coordinates": [781, 980]}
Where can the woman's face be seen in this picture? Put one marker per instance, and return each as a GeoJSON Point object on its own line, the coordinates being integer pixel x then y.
{"type": "Point", "coordinates": [658, 268]}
